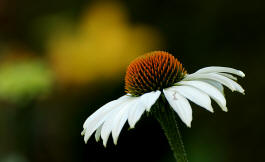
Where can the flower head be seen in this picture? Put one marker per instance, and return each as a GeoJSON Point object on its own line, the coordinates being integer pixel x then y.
{"type": "Point", "coordinates": [155, 74]}
{"type": "Point", "coordinates": [153, 71]}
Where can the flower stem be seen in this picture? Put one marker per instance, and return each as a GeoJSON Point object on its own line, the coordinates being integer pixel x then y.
{"type": "Point", "coordinates": [166, 117]}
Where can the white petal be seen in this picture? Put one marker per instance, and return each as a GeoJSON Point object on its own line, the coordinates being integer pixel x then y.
{"type": "Point", "coordinates": [109, 122]}
{"type": "Point", "coordinates": [145, 102]}
{"type": "Point", "coordinates": [97, 134]}
{"type": "Point", "coordinates": [213, 92]}
{"type": "Point", "coordinates": [120, 120]}
{"type": "Point", "coordinates": [107, 126]}
{"type": "Point", "coordinates": [104, 109]}
{"type": "Point", "coordinates": [135, 113]}
{"type": "Point", "coordinates": [228, 76]}
{"type": "Point", "coordinates": [180, 105]}
{"type": "Point", "coordinates": [96, 119]}
{"type": "Point", "coordinates": [235, 84]}
{"type": "Point", "coordinates": [149, 99]}
{"type": "Point", "coordinates": [219, 78]}
{"type": "Point", "coordinates": [218, 69]}
{"type": "Point", "coordinates": [214, 83]}
{"type": "Point", "coordinates": [195, 95]}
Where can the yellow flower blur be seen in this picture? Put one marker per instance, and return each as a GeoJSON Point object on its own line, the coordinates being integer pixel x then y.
{"type": "Point", "coordinates": [100, 47]}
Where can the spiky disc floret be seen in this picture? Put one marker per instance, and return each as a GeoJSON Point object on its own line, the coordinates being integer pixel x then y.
{"type": "Point", "coordinates": [153, 71]}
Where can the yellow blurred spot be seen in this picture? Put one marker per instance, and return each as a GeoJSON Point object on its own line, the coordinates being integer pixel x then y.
{"type": "Point", "coordinates": [101, 46]}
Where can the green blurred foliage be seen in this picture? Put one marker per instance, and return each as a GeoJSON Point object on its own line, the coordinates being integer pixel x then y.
{"type": "Point", "coordinates": [24, 80]}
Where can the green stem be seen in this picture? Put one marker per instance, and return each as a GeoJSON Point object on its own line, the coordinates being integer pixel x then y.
{"type": "Point", "coordinates": [166, 117]}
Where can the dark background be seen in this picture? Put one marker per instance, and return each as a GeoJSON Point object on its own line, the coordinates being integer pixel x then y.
{"type": "Point", "coordinates": [43, 127]}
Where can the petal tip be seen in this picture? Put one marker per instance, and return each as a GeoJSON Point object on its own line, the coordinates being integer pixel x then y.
{"type": "Point", "coordinates": [241, 74]}
{"type": "Point", "coordinates": [188, 124]}
{"type": "Point", "coordinates": [83, 132]}
{"type": "Point", "coordinates": [131, 124]}
{"type": "Point", "coordinates": [225, 109]}
{"type": "Point", "coordinates": [211, 109]}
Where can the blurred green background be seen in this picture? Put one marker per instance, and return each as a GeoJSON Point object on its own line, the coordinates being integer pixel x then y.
{"type": "Point", "coordinates": [60, 60]}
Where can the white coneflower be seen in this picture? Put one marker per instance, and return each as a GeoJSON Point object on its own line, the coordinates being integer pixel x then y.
{"type": "Point", "coordinates": [160, 74]}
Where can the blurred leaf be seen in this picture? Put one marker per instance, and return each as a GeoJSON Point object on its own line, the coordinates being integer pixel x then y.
{"type": "Point", "coordinates": [26, 79]}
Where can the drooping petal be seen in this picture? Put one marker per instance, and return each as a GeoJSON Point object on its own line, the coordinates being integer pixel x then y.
{"type": "Point", "coordinates": [120, 120]}
{"type": "Point", "coordinates": [135, 113]}
{"type": "Point", "coordinates": [109, 122]}
{"type": "Point", "coordinates": [149, 99]}
{"type": "Point", "coordinates": [207, 88]}
{"type": "Point", "coordinates": [231, 80]}
{"type": "Point", "coordinates": [232, 85]}
{"type": "Point", "coordinates": [228, 76]}
{"type": "Point", "coordinates": [107, 126]}
{"type": "Point", "coordinates": [97, 134]}
{"type": "Point", "coordinates": [214, 83]}
{"type": "Point", "coordinates": [218, 69]}
{"type": "Point", "coordinates": [195, 95]}
{"type": "Point", "coordinates": [145, 102]}
{"type": "Point", "coordinates": [180, 104]}
{"type": "Point", "coordinates": [104, 109]}
{"type": "Point", "coordinates": [94, 121]}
